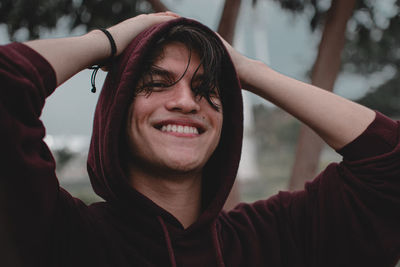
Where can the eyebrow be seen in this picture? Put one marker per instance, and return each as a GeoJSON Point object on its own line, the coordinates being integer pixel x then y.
{"type": "Point", "coordinates": [157, 70]}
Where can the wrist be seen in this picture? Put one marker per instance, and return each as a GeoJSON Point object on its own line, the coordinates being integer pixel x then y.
{"type": "Point", "coordinates": [99, 45]}
{"type": "Point", "coordinates": [247, 71]}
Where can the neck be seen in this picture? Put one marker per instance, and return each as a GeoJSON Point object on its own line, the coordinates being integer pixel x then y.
{"type": "Point", "coordinates": [179, 194]}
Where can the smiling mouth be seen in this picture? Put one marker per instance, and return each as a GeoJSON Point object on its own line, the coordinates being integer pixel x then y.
{"type": "Point", "coordinates": [183, 129]}
{"type": "Point", "coordinates": [180, 128]}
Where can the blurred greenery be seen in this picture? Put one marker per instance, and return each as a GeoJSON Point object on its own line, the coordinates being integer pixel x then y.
{"type": "Point", "coordinates": [34, 15]}
{"type": "Point", "coordinates": [275, 135]}
{"type": "Point", "coordinates": [386, 98]}
{"type": "Point", "coordinates": [63, 156]}
{"type": "Point", "coordinates": [372, 45]}
{"type": "Point", "coordinates": [82, 190]}
{"type": "Point", "coordinates": [274, 128]}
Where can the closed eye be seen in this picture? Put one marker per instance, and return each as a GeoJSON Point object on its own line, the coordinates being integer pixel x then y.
{"type": "Point", "coordinates": [157, 85]}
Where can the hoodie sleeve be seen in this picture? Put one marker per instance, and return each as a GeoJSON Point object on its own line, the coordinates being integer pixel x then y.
{"type": "Point", "coordinates": [28, 185]}
{"type": "Point", "coordinates": [355, 206]}
{"type": "Point", "coordinates": [348, 216]}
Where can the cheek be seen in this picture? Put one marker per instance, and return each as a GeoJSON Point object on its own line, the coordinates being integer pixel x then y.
{"type": "Point", "coordinates": [218, 116]}
{"type": "Point", "coordinates": [140, 109]}
{"type": "Point", "coordinates": [133, 119]}
{"type": "Point", "coordinates": [220, 122]}
{"type": "Point", "coordinates": [129, 132]}
{"type": "Point", "coordinates": [217, 124]}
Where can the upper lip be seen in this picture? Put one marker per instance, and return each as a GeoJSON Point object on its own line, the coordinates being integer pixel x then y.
{"type": "Point", "coordinates": [181, 121]}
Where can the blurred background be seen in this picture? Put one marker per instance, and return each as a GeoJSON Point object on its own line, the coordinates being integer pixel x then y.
{"type": "Point", "coordinates": [351, 47]}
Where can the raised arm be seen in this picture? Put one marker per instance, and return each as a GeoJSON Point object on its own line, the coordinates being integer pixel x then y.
{"type": "Point", "coordinates": [30, 196]}
{"type": "Point", "coordinates": [70, 55]}
{"type": "Point", "coordinates": [355, 204]}
{"type": "Point", "coordinates": [337, 120]}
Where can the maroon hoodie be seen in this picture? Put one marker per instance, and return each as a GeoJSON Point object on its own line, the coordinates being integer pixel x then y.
{"type": "Point", "coordinates": [348, 216]}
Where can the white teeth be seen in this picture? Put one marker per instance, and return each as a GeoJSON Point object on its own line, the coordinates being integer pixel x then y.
{"type": "Point", "coordinates": [179, 129]}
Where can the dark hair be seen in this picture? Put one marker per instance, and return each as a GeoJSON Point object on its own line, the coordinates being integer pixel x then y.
{"type": "Point", "coordinates": [208, 48]}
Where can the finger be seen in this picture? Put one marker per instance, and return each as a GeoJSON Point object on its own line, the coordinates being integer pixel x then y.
{"type": "Point", "coordinates": [170, 13]}
{"type": "Point", "coordinates": [167, 13]}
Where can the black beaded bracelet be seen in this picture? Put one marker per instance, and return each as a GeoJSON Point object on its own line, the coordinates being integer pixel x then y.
{"type": "Point", "coordinates": [96, 68]}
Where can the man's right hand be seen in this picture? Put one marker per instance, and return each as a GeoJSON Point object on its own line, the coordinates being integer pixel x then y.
{"type": "Point", "coordinates": [70, 55]}
{"type": "Point", "coordinates": [124, 32]}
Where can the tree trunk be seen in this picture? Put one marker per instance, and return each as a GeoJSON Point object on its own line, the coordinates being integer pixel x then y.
{"type": "Point", "coordinates": [324, 74]}
{"type": "Point", "coordinates": [227, 23]}
{"type": "Point", "coordinates": [226, 29]}
{"type": "Point", "coordinates": [157, 5]}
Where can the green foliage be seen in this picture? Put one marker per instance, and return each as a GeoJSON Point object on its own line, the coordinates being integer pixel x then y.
{"type": "Point", "coordinates": [299, 6]}
{"type": "Point", "coordinates": [36, 14]}
{"type": "Point", "coordinates": [274, 128]}
{"type": "Point", "coordinates": [386, 99]}
{"type": "Point", "coordinates": [373, 35]}
{"type": "Point", "coordinates": [275, 135]}
{"type": "Point", "coordinates": [372, 38]}
{"type": "Point", "coordinates": [62, 157]}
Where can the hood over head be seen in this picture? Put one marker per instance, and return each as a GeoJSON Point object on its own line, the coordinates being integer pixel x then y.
{"type": "Point", "coordinates": [105, 167]}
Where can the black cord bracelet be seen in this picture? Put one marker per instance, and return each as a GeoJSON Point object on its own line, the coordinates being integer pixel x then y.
{"type": "Point", "coordinates": [112, 42]}
{"type": "Point", "coordinates": [96, 68]}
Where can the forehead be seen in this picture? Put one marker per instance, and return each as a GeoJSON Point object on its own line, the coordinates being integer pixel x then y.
{"type": "Point", "coordinates": [176, 53]}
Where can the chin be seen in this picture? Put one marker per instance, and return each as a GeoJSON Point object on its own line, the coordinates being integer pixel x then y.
{"type": "Point", "coordinates": [183, 166]}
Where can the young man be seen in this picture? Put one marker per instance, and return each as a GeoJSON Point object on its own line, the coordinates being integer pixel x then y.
{"type": "Point", "coordinates": [164, 154]}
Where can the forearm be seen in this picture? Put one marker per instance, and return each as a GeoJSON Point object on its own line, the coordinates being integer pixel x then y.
{"type": "Point", "coordinates": [337, 120]}
{"type": "Point", "coordinates": [70, 55]}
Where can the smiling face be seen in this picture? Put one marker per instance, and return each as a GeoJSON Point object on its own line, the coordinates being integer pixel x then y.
{"type": "Point", "coordinates": [171, 128]}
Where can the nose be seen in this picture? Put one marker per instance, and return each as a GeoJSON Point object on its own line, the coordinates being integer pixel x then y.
{"type": "Point", "coordinates": [182, 99]}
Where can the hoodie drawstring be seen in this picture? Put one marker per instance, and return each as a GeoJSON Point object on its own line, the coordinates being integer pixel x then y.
{"type": "Point", "coordinates": [217, 245]}
{"type": "Point", "coordinates": [168, 241]}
